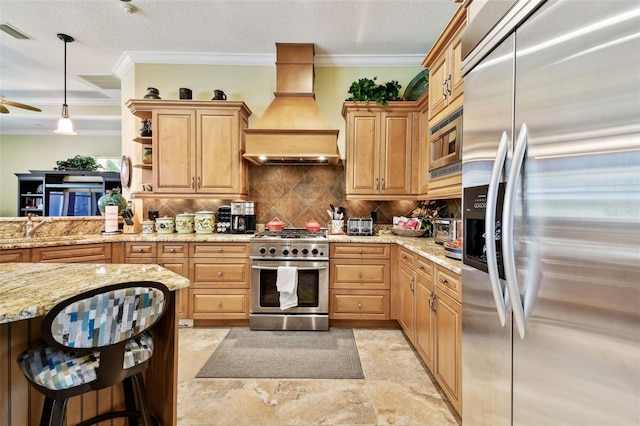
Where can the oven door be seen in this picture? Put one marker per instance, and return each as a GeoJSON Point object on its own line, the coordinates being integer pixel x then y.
{"type": "Point", "coordinates": [313, 287]}
{"type": "Point", "coordinates": [445, 142]}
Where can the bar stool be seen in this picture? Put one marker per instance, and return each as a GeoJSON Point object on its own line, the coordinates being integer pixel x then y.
{"type": "Point", "coordinates": [95, 340]}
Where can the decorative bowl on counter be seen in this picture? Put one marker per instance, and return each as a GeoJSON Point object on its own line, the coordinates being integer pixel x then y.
{"type": "Point", "coordinates": [453, 249]}
{"type": "Point", "coordinates": [204, 222]}
{"type": "Point", "coordinates": [403, 232]}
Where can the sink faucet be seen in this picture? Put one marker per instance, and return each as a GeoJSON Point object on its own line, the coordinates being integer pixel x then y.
{"type": "Point", "coordinates": [31, 227]}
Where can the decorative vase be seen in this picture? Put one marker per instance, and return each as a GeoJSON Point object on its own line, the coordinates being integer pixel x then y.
{"type": "Point", "coordinates": [152, 93]}
{"type": "Point", "coordinates": [147, 157]}
{"type": "Point", "coordinates": [112, 197]}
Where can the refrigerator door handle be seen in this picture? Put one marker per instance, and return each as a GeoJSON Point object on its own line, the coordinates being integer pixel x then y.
{"type": "Point", "coordinates": [490, 230]}
{"type": "Point", "coordinates": [508, 251]}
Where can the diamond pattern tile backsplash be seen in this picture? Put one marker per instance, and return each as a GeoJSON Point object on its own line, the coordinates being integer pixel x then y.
{"type": "Point", "coordinates": [294, 194]}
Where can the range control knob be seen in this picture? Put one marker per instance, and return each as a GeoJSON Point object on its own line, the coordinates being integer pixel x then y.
{"type": "Point", "coordinates": [294, 251]}
{"type": "Point", "coordinates": [305, 251]}
{"type": "Point", "coordinates": [314, 251]}
{"type": "Point", "coordinates": [272, 250]}
{"type": "Point", "coordinates": [285, 252]}
{"type": "Point", "coordinates": [262, 250]}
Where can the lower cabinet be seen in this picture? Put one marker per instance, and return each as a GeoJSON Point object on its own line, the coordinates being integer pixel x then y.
{"type": "Point", "coordinates": [220, 281]}
{"type": "Point", "coordinates": [430, 313]}
{"type": "Point", "coordinates": [359, 278]}
{"type": "Point", "coordinates": [15, 255]}
{"type": "Point", "coordinates": [447, 368]}
{"type": "Point", "coordinates": [174, 257]}
{"type": "Point", "coordinates": [93, 253]}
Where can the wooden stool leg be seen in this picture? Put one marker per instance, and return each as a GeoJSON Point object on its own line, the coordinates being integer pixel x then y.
{"type": "Point", "coordinates": [130, 399]}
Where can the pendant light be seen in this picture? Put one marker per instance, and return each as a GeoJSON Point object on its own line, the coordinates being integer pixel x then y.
{"type": "Point", "coordinates": [65, 126]}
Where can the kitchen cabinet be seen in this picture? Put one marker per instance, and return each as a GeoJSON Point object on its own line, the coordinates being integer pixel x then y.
{"type": "Point", "coordinates": [15, 255]}
{"type": "Point", "coordinates": [406, 286]}
{"type": "Point", "coordinates": [382, 142]}
{"type": "Point", "coordinates": [90, 253]}
{"type": "Point", "coordinates": [220, 281]}
{"type": "Point", "coordinates": [359, 276]}
{"type": "Point", "coordinates": [444, 62]}
{"type": "Point", "coordinates": [447, 367]}
{"type": "Point", "coordinates": [197, 148]}
{"type": "Point", "coordinates": [424, 314]}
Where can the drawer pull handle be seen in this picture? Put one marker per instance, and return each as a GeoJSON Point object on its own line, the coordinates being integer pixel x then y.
{"type": "Point", "coordinates": [404, 257]}
{"type": "Point", "coordinates": [421, 267]}
{"type": "Point", "coordinates": [360, 251]}
{"type": "Point", "coordinates": [444, 281]}
{"type": "Point", "coordinates": [359, 305]}
{"type": "Point", "coordinates": [219, 250]}
{"type": "Point", "coordinates": [359, 274]}
{"type": "Point", "coordinates": [219, 305]}
{"type": "Point", "coordinates": [172, 250]}
{"type": "Point", "coordinates": [139, 250]}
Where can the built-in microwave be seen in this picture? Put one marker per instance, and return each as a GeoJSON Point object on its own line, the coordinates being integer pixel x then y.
{"type": "Point", "coordinates": [445, 146]}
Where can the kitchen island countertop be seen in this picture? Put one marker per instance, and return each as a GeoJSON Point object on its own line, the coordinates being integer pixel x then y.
{"type": "Point", "coordinates": [29, 290]}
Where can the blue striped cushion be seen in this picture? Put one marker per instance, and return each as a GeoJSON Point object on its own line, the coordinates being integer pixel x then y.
{"type": "Point", "coordinates": [57, 369]}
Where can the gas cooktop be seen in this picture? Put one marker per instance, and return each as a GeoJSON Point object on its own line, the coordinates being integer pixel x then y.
{"type": "Point", "coordinates": [287, 233]}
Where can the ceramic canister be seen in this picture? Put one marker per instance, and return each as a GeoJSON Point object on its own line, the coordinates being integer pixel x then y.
{"type": "Point", "coordinates": [204, 222]}
{"type": "Point", "coordinates": [185, 223]}
{"type": "Point", "coordinates": [147, 226]}
{"type": "Point", "coordinates": [165, 225]}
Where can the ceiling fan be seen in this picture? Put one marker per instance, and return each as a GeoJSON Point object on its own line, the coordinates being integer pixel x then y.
{"type": "Point", "coordinates": [4, 110]}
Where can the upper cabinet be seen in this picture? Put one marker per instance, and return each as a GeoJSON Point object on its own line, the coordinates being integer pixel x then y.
{"type": "Point", "coordinates": [197, 147]}
{"type": "Point", "coordinates": [444, 61]}
{"type": "Point", "coordinates": [383, 150]}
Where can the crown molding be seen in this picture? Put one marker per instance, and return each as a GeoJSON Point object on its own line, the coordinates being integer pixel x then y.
{"type": "Point", "coordinates": [128, 59]}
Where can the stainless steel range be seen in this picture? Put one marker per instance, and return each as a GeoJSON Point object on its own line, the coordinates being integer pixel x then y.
{"type": "Point", "coordinates": [294, 251]}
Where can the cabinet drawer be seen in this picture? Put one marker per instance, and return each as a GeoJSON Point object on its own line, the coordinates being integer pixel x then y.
{"type": "Point", "coordinates": [357, 251]}
{"type": "Point", "coordinates": [448, 282]}
{"type": "Point", "coordinates": [173, 249]}
{"type": "Point", "coordinates": [406, 257]}
{"type": "Point", "coordinates": [15, 255]}
{"type": "Point", "coordinates": [219, 250]}
{"type": "Point", "coordinates": [363, 274]}
{"type": "Point", "coordinates": [424, 267]}
{"type": "Point", "coordinates": [218, 304]}
{"type": "Point", "coordinates": [219, 273]}
{"type": "Point", "coordinates": [356, 304]}
{"type": "Point", "coordinates": [77, 253]}
{"type": "Point", "coordinates": [141, 249]}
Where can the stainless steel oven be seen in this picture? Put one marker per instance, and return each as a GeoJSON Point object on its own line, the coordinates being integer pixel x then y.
{"type": "Point", "coordinates": [308, 253]}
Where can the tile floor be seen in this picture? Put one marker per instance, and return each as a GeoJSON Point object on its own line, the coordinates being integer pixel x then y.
{"type": "Point", "coordinates": [396, 390]}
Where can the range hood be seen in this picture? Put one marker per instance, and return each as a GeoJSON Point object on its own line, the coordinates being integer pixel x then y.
{"type": "Point", "coordinates": [293, 129]}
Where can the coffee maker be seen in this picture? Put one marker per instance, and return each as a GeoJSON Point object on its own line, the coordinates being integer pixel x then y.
{"type": "Point", "coordinates": [243, 217]}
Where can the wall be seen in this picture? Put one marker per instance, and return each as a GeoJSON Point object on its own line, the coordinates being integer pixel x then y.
{"type": "Point", "coordinates": [19, 154]}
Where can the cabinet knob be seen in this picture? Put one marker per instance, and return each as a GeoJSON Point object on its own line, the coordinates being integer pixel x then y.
{"type": "Point", "coordinates": [359, 251]}
{"type": "Point", "coordinates": [219, 250]}
{"type": "Point", "coordinates": [421, 267]}
{"type": "Point", "coordinates": [359, 305]}
{"type": "Point", "coordinates": [404, 257]}
{"type": "Point", "coordinates": [172, 250]}
{"type": "Point", "coordinates": [139, 250]}
{"type": "Point", "coordinates": [444, 281]}
{"type": "Point", "coordinates": [219, 305]}
{"type": "Point", "coordinates": [219, 273]}
{"type": "Point", "coordinates": [359, 274]}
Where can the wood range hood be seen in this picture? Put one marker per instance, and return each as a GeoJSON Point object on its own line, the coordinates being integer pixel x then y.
{"type": "Point", "coordinates": [293, 130]}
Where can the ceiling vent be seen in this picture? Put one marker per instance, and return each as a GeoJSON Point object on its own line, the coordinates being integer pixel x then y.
{"type": "Point", "coordinates": [14, 32]}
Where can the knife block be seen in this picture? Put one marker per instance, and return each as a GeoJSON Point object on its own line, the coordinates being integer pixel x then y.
{"type": "Point", "coordinates": [136, 221]}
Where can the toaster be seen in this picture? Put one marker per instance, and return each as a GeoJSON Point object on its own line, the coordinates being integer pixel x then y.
{"type": "Point", "coordinates": [444, 230]}
{"type": "Point", "coordinates": [360, 226]}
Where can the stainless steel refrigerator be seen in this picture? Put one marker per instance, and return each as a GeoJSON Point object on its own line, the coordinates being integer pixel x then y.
{"type": "Point", "coordinates": [551, 210]}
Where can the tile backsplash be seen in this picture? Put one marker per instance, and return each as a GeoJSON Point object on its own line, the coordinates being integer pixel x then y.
{"type": "Point", "coordinates": [294, 194]}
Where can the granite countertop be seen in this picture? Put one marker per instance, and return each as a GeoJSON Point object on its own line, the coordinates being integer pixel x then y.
{"type": "Point", "coordinates": [29, 290]}
{"type": "Point", "coordinates": [422, 246]}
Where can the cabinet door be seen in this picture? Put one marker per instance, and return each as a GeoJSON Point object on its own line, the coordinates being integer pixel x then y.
{"type": "Point", "coordinates": [438, 75]}
{"type": "Point", "coordinates": [448, 357]}
{"type": "Point", "coordinates": [90, 253]}
{"type": "Point", "coordinates": [363, 152]}
{"type": "Point", "coordinates": [406, 317]}
{"type": "Point", "coordinates": [15, 255]}
{"type": "Point", "coordinates": [395, 153]}
{"type": "Point", "coordinates": [360, 274]}
{"type": "Point", "coordinates": [219, 273]}
{"type": "Point", "coordinates": [425, 320]}
{"type": "Point", "coordinates": [174, 151]}
{"type": "Point", "coordinates": [455, 84]}
{"type": "Point", "coordinates": [181, 267]}
{"type": "Point", "coordinates": [218, 153]}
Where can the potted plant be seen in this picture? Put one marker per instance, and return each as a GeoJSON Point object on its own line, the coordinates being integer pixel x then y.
{"type": "Point", "coordinates": [78, 163]}
{"type": "Point", "coordinates": [367, 90]}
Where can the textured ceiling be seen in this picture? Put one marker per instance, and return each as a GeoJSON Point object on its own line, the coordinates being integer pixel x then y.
{"type": "Point", "coordinates": [108, 39]}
